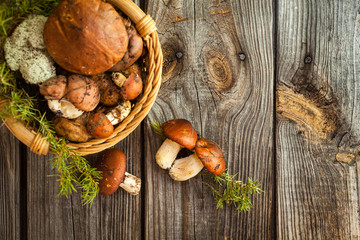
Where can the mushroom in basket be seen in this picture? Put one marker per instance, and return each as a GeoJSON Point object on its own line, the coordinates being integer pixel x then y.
{"type": "Point", "coordinates": [85, 36]}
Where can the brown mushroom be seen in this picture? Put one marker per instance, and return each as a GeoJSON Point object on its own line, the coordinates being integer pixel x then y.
{"type": "Point", "coordinates": [109, 92]}
{"type": "Point", "coordinates": [72, 130]}
{"type": "Point", "coordinates": [54, 88]}
{"type": "Point", "coordinates": [207, 153]}
{"type": "Point", "coordinates": [82, 92]}
{"type": "Point", "coordinates": [134, 51]}
{"type": "Point", "coordinates": [112, 164]}
{"type": "Point", "coordinates": [85, 36]}
{"type": "Point", "coordinates": [99, 126]}
{"type": "Point", "coordinates": [211, 156]}
{"type": "Point", "coordinates": [180, 133]}
{"type": "Point", "coordinates": [132, 87]}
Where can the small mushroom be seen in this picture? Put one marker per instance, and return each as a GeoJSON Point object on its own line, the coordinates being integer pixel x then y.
{"type": "Point", "coordinates": [119, 113]}
{"type": "Point", "coordinates": [64, 108]}
{"type": "Point", "coordinates": [99, 126]}
{"type": "Point", "coordinates": [54, 88]}
{"type": "Point", "coordinates": [180, 133]}
{"type": "Point", "coordinates": [207, 153]}
{"type": "Point", "coordinates": [82, 92]}
{"type": "Point", "coordinates": [73, 130]}
{"type": "Point", "coordinates": [109, 92]}
{"type": "Point", "coordinates": [131, 87]}
{"type": "Point", "coordinates": [112, 164]}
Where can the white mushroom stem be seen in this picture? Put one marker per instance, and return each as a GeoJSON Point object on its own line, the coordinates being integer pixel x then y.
{"type": "Point", "coordinates": [131, 184]}
{"type": "Point", "coordinates": [64, 108]}
{"type": "Point", "coordinates": [166, 154]}
{"type": "Point", "coordinates": [119, 113]}
{"type": "Point", "coordinates": [119, 79]}
{"type": "Point", "coordinates": [186, 168]}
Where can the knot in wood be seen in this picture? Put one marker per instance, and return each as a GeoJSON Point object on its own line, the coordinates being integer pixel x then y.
{"type": "Point", "coordinates": [218, 70]}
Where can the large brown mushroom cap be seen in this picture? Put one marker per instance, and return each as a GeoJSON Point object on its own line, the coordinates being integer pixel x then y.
{"type": "Point", "coordinates": [180, 131]}
{"type": "Point", "coordinates": [112, 164]}
{"type": "Point", "coordinates": [85, 36]}
{"type": "Point", "coordinates": [211, 156]}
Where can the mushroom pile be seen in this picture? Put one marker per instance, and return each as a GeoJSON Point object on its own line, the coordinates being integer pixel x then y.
{"type": "Point", "coordinates": [92, 75]}
{"type": "Point", "coordinates": [181, 134]}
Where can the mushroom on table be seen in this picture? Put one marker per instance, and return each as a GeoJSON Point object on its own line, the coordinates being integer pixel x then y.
{"type": "Point", "coordinates": [180, 133]}
{"type": "Point", "coordinates": [207, 153]}
{"type": "Point", "coordinates": [112, 164]}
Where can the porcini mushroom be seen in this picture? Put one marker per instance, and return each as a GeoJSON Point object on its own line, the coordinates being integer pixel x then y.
{"type": "Point", "coordinates": [64, 108]}
{"type": "Point", "coordinates": [134, 51]}
{"type": "Point", "coordinates": [180, 133]}
{"type": "Point", "coordinates": [131, 87]}
{"type": "Point", "coordinates": [207, 153]}
{"type": "Point", "coordinates": [82, 92]}
{"type": "Point", "coordinates": [112, 164]}
{"type": "Point", "coordinates": [119, 113]}
{"type": "Point", "coordinates": [99, 126]}
{"type": "Point", "coordinates": [54, 88]}
{"type": "Point", "coordinates": [85, 36]}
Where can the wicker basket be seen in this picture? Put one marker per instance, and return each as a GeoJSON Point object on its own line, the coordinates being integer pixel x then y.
{"type": "Point", "coordinates": [147, 29]}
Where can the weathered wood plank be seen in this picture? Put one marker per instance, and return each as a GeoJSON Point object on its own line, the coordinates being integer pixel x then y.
{"type": "Point", "coordinates": [118, 216]}
{"type": "Point", "coordinates": [111, 217]}
{"type": "Point", "coordinates": [318, 74]}
{"type": "Point", "coordinates": [228, 100]}
{"type": "Point", "coordinates": [10, 221]}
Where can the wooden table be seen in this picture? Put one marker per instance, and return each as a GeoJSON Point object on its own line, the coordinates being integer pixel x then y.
{"type": "Point", "coordinates": [275, 83]}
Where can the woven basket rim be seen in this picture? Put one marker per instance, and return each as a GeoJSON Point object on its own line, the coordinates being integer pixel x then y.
{"type": "Point", "coordinates": [39, 145]}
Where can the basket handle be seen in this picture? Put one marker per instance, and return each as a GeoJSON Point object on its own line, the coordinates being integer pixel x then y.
{"type": "Point", "coordinates": [143, 22]}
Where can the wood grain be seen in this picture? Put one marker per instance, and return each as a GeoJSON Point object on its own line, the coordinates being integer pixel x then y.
{"type": "Point", "coordinates": [112, 217]}
{"type": "Point", "coordinates": [228, 101]}
{"type": "Point", "coordinates": [318, 197]}
{"type": "Point", "coordinates": [10, 184]}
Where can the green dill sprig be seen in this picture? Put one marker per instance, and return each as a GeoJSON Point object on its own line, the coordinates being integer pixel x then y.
{"type": "Point", "coordinates": [233, 192]}
{"type": "Point", "coordinates": [72, 170]}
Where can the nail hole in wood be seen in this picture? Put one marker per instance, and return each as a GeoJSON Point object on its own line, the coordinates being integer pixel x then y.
{"type": "Point", "coordinates": [308, 60]}
{"type": "Point", "coordinates": [179, 55]}
{"type": "Point", "coordinates": [242, 56]}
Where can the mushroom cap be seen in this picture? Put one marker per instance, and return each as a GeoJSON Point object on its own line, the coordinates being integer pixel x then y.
{"type": "Point", "coordinates": [82, 92]}
{"type": "Point", "coordinates": [180, 131]}
{"type": "Point", "coordinates": [85, 36]}
{"type": "Point", "coordinates": [99, 126]}
{"type": "Point", "coordinates": [112, 164]}
{"type": "Point", "coordinates": [134, 51]}
{"type": "Point", "coordinates": [132, 87]}
{"type": "Point", "coordinates": [211, 156]}
{"type": "Point", "coordinates": [54, 88]}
